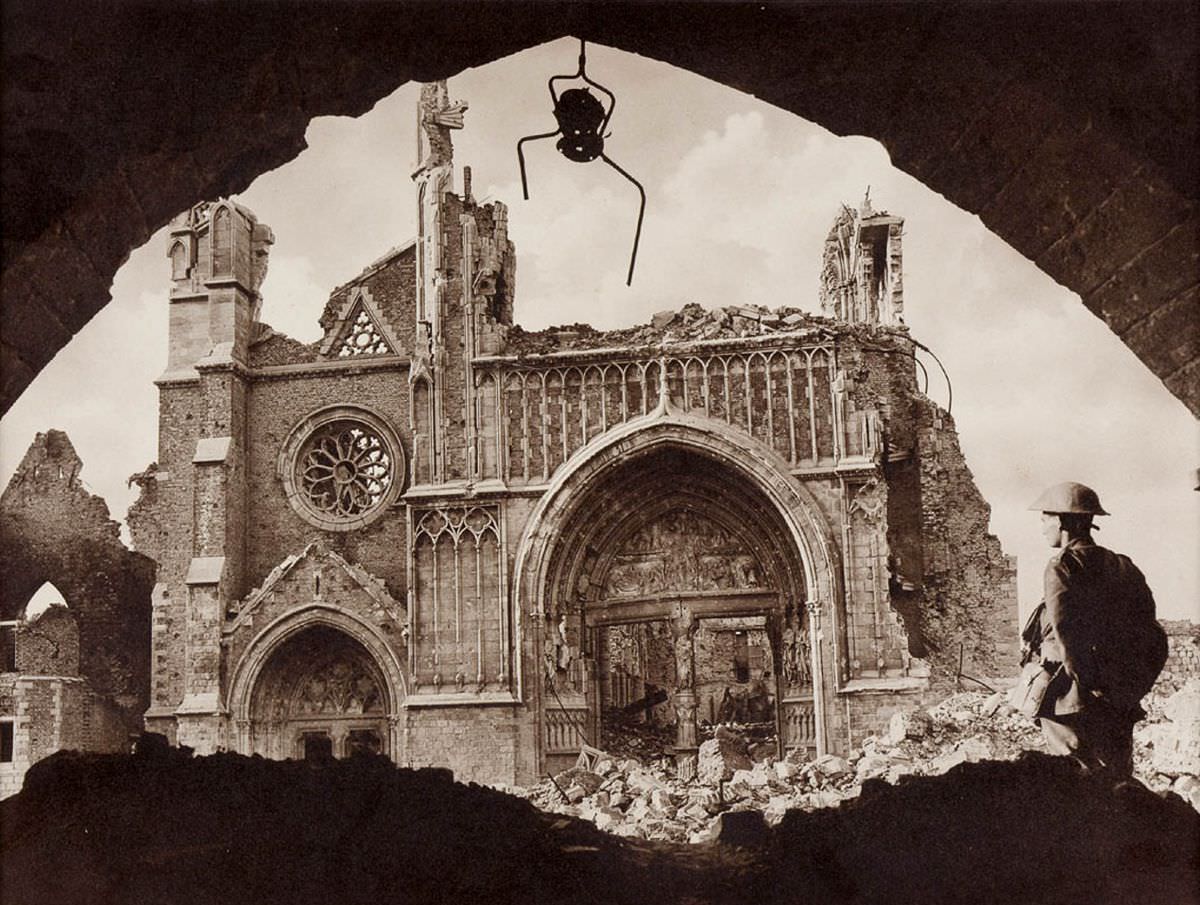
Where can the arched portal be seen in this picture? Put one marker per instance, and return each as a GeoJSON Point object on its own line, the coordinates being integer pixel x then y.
{"type": "Point", "coordinates": [316, 682]}
{"type": "Point", "coordinates": [677, 577]}
{"type": "Point", "coordinates": [320, 694]}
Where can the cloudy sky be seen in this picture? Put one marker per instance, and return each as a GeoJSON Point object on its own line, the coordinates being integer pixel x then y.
{"type": "Point", "coordinates": [741, 195]}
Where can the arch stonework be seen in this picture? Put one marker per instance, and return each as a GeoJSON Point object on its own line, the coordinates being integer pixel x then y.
{"type": "Point", "coordinates": [1069, 129]}
{"type": "Point", "coordinates": [269, 641]}
{"type": "Point", "coordinates": [810, 531]}
{"type": "Point", "coordinates": [810, 534]}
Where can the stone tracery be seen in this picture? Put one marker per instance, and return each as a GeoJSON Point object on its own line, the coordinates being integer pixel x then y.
{"type": "Point", "coordinates": [363, 338]}
{"type": "Point", "coordinates": [345, 469]}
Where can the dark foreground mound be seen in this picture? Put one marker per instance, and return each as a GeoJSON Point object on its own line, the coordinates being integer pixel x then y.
{"type": "Point", "coordinates": [231, 829]}
{"type": "Point", "coordinates": [1034, 830]}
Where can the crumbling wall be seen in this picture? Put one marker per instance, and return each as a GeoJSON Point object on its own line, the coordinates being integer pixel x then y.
{"type": "Point", "coordinates": [391, 283]}
{"type": "Point", "coordinates": [948, 578]}
{"type": "Point", "coordinates": [717, 660]}
{"type": "Point", "coordinates": [49, 645]}
{"type": "Point", "coordinates": [53, 529]}
{"type": "Point", "coordinates": [968, 598]}
{"type": "Point", "coordinates": [1183, 658]}
{"type": "Point", "coordinates": [48, 707]}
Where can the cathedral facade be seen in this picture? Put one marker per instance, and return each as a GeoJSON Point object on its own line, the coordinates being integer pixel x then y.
{"type": "Point", "coordinates": [436, 536]}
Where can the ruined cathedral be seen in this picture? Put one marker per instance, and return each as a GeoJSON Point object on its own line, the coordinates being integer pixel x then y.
{"type": "Point", "coordinates": [438, 537]}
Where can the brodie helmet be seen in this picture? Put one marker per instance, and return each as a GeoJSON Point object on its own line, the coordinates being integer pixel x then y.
{"type": "Point", "coordinates": [1069, 498]}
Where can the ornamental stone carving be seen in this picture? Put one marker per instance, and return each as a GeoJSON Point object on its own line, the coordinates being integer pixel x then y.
{"type": "Point", "coordinates": [342, 467]}
{"type": "Point", "coordinates": [681, 551]}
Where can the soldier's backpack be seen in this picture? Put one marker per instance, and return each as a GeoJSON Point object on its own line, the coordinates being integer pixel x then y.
{"type": "Point", "coordinates": [1135, 651]}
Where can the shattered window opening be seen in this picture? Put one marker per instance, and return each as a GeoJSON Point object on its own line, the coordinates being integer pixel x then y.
{"type": "Point", "coordinates": [363, 338]}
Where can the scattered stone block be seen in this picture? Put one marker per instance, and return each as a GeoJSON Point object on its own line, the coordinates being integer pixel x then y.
{"type": "Point", "coordinates": [1183, 706]}
{"type": "Point", "coordinates": [585, 779]}
{"type": "Point", "coordinates": [911, 724]}
{"type": "Point", "coordinates": [747, 829]}
{"type": "Point", "coordinates": [608, 818]}
{"type": "Point", "coordinates": [872, 765]}
{"type": "Point", "coordinates": [722, 755]}
{"type": "Point", "coordinates": [755, 779]}
{"type": "Point", "coordinates": [660, 800]}
{"type": "Point", "coordinates": [641, 781]}
{"type": "Point", "coordinates": [831, 766]}
{"type": "Point", "coordinates": [662, 319]}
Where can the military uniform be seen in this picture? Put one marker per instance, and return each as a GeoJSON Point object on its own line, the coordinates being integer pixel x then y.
{"type": "Point", "coordinates": [1094, 601]}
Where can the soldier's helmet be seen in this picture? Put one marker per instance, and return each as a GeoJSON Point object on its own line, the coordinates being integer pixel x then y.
{"type": "Point", "coordinates": [1069, 497]}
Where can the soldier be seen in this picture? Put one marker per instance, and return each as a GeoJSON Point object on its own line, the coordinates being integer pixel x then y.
{"type": "Point", "coordinates": [1096, 636]}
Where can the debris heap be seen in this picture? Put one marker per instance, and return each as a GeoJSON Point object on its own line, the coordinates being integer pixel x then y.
{"type": "Point", "coordinates": [160, 826]}
{"type": "Point", "coordinates": [690, 323]}
{"type": "Point", "coordinates": [642, 797]}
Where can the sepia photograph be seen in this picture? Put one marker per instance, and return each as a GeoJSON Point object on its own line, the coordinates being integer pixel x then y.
{"type": "Point", "coordinates": [615, 452]}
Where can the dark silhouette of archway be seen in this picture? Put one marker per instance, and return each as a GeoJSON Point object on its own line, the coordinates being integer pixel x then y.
{"type": "Point", "coordinates": [1069, 128]}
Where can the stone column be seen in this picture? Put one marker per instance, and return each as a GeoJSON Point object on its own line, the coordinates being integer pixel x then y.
{"type": "Point", "coordinates": [683, 631]}
{"type": "Point", "coordinates": [775, 639]}
{"type": "Point", "coordinates": [818, 678]}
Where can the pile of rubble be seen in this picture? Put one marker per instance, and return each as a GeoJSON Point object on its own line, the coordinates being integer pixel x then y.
{"type": "Point", "coordinates": [1166, 747]}
{"type": "Point", "coordinates": [690, 323]}
{"type": "Point", "coordinates": [644, 798]}
{"type": "Point", "coordinates": [629, 737]}
{"type": "Point", "coordinates": [106, 829]}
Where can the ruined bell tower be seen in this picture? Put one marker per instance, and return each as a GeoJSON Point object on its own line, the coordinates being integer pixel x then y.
{"type": "Point", "coordinates": [862, 276]}
{"type": "Point", "coordinates": [465, 275]}
{"type": "Point", "coordinates": [218, 254]}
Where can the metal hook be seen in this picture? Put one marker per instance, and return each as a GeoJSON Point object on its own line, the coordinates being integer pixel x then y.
{"type": "Point", "coordinates": [583, 136]}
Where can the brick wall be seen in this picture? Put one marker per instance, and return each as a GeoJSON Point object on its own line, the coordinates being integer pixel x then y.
{"type": "Point", "coordinates": [862, 714]}
{"type": "Point", "coordinates": [480, 744]}
{"type": "Point", "coordinates": [48, 646]}
{"type": "Point", "coordinates": [53, 529]}
{"type": "Point", "coordinates": [1183, 659]}
{"type": "Point", "coordinates": [969, 599]}
{"type": "Point", "coordinates": [160, 522]}
{"type": "Point", "coordinates": [391, 282]}
{"type": "Point", "coordinates": [47, 714]}
{"type": "Point", "coordinates": [274, 528]}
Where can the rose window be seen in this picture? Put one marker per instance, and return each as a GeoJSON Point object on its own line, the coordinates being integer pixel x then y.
{"type": "Point", "coordinates": [342, 467]}
{"type": "Point", "coordinates": [344, 470]}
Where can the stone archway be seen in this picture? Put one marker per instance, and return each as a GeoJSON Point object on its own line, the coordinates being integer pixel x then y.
{"type": "Point", "coordinates": [1069, 128]}
{"type": "Point", "coordinates": [319, 693]}
{"type": "Point", "coordinates": [673, 529]}
{"type": "Point", "coordinates": [317, 681]}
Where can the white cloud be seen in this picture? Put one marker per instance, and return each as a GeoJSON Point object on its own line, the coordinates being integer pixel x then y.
{"type": "Point", "coordinates": [292, 298]}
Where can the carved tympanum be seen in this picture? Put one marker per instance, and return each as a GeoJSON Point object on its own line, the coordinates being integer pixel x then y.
{"type": "Point", "coordinates": [680, 551]}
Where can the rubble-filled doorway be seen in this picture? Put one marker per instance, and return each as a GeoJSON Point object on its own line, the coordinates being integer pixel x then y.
{"type": "Point", "coordinates": [319, 695]}
{"type": "Point", "coordinates": [679, 600]}
{"type": "Point", "coordinates": [668, 672]}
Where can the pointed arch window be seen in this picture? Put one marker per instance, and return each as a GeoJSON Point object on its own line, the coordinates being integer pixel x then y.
{"type": "Point", "coordinates": [180, 263]}
{"type": "Point", "coordinates": [43, 598]}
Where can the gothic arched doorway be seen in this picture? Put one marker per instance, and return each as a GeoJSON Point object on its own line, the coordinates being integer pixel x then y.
{"type": "Point", "coordinates": [676, 598]}
{"type": "Point", "coordinates": [320, 694]}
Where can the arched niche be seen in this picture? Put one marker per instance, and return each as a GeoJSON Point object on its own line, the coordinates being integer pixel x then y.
{"type": "Point", "coordinates": [316, 671]}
